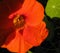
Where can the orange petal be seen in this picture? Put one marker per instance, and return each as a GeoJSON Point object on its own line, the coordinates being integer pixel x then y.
{"type": "Point", "coordinates": [27, 46]}
{"type": "Point", "coordinates": [42, 34]}
{"type": "Point", "coordinates": [13, 45]}
{"type": "Point", "coordinates": [25, 8]}
{"type": "Point", "coordinates": [28, 35]}
{"type": "Point", "coordinates": [33, 11]}
{"type": "Point", "coordinates": [24, 46]}
{"type": "Point", "coordinates": [33, 35]}
{"type": "Point", "coordinates": [35, 15]}
{"type": "Point", "coordinates": [18, 44]}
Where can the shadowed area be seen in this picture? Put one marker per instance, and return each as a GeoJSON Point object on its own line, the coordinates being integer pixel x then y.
{"type": "Point", "coordinates": [5, 50]}
{"type": "Point", "coordinates": [6, 25]}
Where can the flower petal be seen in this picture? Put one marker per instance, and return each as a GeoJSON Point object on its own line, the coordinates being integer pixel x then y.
{"type": "Point", "coordinates": [35, 15]}
{"type": "Point", "coordinates": [27, 46]}
{"type": "Point", "coordinates": [23, 45]}
{"type": "Point", "coordinates": [35, 35]}
{"type": "Point", "coordinates": [18, 44]}
{"type": "Point", "coordinates": [25, 8]}
{"type": "Point", "coordinates": [33, 11]}
{"type": "Point", "coordinates": [13, 45]}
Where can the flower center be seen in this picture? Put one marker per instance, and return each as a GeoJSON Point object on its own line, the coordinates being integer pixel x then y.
{"type": "Point", "coordinates": [19, 21]}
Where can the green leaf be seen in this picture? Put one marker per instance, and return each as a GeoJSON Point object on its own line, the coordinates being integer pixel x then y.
{"type": "Point", "coordinates": [53, 8]}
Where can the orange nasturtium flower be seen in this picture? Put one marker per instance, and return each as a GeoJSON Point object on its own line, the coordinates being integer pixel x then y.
{"type": "Point", "coordinates": [30, 28]}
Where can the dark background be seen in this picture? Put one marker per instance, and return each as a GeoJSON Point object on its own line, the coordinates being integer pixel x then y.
{"type": "Point", "coordinates": [52, 42]}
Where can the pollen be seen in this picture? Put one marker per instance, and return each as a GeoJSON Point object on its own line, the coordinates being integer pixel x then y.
{"type": "Point", "coordinates": [19, 21]}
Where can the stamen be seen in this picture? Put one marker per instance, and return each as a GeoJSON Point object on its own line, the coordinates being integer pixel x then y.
{"type": "Point", "coordinates": [19, 21]}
